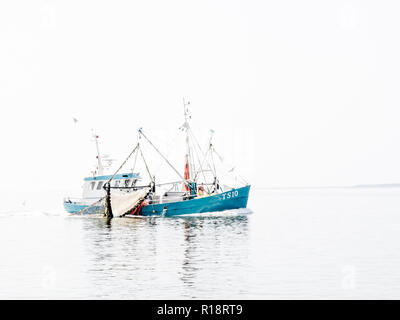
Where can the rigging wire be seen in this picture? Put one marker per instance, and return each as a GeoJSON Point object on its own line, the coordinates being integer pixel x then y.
{"type": "Point", "coordinates": [177, 172]}
{"type": "Point", "coordinates": [224, 163]}
{"type": "Point", "coordinates": [212, 159]}
{"type": "Point", "coordinates": [171, 148]}
{"type": "Point", "coordinates": [97, 203]}
{"type": "Point", "coordinates": [205, 159]}
{"type": "Point", "coordinates": [198, 159]}
{"type": "Point", "coordinates": [112, 177]}
{"type": "Point", "coordinates": [134, 164]}
{"type": "Point", "coordinates": [145, 163]}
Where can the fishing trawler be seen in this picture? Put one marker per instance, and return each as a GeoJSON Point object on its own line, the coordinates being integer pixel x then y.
{"type": "Point", "coordinates": [92, 201]}
{"type": "Point", "coordinates": [193, 193]}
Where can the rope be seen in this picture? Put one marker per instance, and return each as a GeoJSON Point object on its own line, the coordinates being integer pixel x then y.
{"type": "Point", "coordinates": [201, 150]}
{"type": "Point", "coordinates": [177, 172]}
{"type": "Point", "coordinates": [98, 202]}
{"type": "Point", "coordinates": [198, 158]}
{"type": "Point", "coordinates": [204, 155]}
{"type": "Point", "coordinates": [223, 162]}
{"type": "Point", "coordinates": [212, 159]}
{"type": "Point", "coordinates": [134, 164]}
{"type": "Point", "coordinates": [195, 139]}
{"type": "Point", "coordinates": [171, 149]}
{"type": "Point", "coordinates": [205, 160]}
{"type": "Point", "coordinates": [145, 163]}
{"type": "Point", "coordinates": [137, 146]}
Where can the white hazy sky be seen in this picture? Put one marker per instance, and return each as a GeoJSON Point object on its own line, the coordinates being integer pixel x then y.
{"type": "Point", "coordinates": [300, 93]}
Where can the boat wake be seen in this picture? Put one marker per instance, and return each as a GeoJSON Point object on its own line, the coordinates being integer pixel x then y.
{"type": "Point", "coordinates": [226, 213]}
{"type": "Point", "coordinates": [29, 213]}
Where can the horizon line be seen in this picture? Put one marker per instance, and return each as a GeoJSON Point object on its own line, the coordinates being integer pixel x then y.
{"type": "Point", "coordinates": [369, 185]}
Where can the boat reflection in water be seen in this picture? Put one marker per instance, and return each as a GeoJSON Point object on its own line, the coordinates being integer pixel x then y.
{"type": "Point", "coordinates": [183, 257]}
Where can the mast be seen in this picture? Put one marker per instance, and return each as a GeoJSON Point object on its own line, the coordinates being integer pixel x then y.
{"type": "Point", "coordinates": [186, 127]}
{"type": "Point", "coordinates": [189, 164]}
{"type": "Point", "coordinates": [100, 169]}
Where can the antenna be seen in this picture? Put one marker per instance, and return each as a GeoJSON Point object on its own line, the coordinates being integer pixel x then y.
{"type": "Point", "coordinates": [186, 110]}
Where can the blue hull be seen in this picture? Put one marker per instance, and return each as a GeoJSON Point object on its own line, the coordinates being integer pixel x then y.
{"type": "Point", "coordinates": [233, 199]}
{"type": "Point", "coordinates": [74, 208]}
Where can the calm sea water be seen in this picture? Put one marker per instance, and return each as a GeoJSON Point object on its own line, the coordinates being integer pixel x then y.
{"type": "Point", "coordinates": [321, 243]}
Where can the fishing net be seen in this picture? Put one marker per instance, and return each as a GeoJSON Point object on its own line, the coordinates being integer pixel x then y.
{"type": "Point", "coordinates": [122, 203]}
{"type": "Point", "coordinates": [94, 208]}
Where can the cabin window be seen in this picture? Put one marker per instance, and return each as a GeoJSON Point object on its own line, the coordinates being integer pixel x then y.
{"type": "Point", "coordinates": [92, 184]}
{"type": "Point", "coordinates": [134, 182]}
{"type": "Point", "coordinates": [116, 183]}
{"type": "Point", "coordinates": [127, 182]}
{"type": "Point", "coordinates": [99, 185]}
